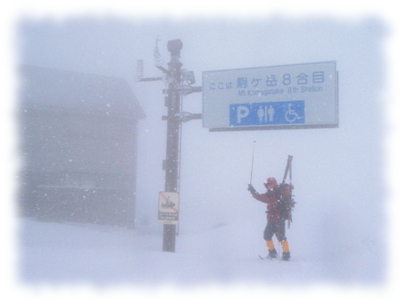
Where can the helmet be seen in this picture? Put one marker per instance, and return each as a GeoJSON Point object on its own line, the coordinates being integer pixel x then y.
{"type": "Point", "coordinates": [271, 181]}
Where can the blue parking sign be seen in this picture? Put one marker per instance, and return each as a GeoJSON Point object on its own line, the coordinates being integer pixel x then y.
{"type": "Point", "coordinates": [267, 113]}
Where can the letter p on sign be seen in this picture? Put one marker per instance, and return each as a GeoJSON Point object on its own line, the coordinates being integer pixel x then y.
{"type": "Point", "coordinates": [242, 112]}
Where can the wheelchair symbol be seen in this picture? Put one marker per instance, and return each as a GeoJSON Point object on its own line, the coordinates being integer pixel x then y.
{"type": "Point", "coordinates": [291, 115]}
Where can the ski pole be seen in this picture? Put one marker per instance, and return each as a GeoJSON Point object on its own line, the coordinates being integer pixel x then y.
{"type": "Point", "coordinates": [252, 162]}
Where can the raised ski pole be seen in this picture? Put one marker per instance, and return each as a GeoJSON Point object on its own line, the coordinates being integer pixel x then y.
{"type": "Point", "coordinates": [252, 162]}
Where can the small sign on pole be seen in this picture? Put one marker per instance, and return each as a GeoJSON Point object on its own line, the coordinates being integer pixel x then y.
{"type": "Point", "coordinates": [168, 208]}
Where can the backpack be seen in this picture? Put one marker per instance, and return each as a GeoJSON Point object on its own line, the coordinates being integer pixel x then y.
{"type": "Point", "coordinates": [286, 202]}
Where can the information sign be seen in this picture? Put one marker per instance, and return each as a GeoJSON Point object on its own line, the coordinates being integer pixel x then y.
{"type": "Point", "coordinates": [168, 208]}
{"type": "Point", "coordinates": [289, 96]}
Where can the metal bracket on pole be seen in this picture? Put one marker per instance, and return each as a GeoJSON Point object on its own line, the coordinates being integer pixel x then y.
{"type": "Point", "coordinates": [139, 73]}
{"type": "Point", "coordinates": [187, 89]}
{"type": "Point", "coordinates": [164, 70]}
{"type": "Point", "coordinates": [184, 117]}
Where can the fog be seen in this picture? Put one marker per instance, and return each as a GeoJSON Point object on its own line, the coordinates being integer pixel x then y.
{"type": "Point", "coordinates": [338, 173]}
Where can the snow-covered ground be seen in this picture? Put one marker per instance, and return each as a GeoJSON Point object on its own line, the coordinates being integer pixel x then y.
{"type": "Point", "coordinates": [224, 254]}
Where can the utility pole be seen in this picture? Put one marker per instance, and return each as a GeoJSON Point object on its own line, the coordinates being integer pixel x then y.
{"type": "Point", "coordinates": [176, 78]}
{"type": "Point", "coordinates": [173, 135]}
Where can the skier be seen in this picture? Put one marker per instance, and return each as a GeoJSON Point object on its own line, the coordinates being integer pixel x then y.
{"type": "Point", "coordinates": [275, 220]}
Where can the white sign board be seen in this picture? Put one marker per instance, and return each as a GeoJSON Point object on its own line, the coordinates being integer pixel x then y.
{"type": "Point", "coordinates": [168, 208]}
{"type": "Point", "coordinates": [290, 96]}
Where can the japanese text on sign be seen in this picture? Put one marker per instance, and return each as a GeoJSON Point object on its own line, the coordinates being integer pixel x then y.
{"type": "Point", "coordinates": [229, 92]}
{"type": "Point", "coordinates": [246, 85]}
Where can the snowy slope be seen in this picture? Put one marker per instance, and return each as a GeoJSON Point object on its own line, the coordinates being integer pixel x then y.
{"type": "Point", "coordinates": [65, 253]}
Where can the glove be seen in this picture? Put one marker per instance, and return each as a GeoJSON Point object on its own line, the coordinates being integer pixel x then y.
{"type": "Point", "coordinates": [251, 189]}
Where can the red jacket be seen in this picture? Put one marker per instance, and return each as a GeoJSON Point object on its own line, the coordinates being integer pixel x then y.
{"type": "Point", "coordinates": [271, 200]}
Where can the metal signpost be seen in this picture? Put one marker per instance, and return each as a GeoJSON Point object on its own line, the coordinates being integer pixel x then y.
{"type": "Point", "coordinates": [173, 104]}
{"type": "Point", "coordinates": [290, 96]}
{"type": "Point", "coordinates": [179, 85]}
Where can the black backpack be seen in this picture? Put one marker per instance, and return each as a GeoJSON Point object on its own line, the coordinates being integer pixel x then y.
{"type": "Point", "coordinates": [285, 196]}
{"type": "Point", "coordinates": [286, 201]}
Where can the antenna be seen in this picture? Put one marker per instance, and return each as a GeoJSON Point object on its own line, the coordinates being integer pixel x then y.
{"type": "Point", "coordinates": [156, 53]}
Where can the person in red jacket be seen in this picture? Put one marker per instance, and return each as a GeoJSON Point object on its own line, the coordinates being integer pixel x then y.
{"type": "Point", "coordinates": [275, 221]}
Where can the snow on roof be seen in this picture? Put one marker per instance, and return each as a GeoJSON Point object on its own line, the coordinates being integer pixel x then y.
{"type": "Point", "coordinates": [46, 88]}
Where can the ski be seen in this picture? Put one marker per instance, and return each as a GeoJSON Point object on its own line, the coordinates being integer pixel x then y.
{"type": "Point", "coordinates": [271, 258]}
{"type": "Point", "coordinates": [265, 258]}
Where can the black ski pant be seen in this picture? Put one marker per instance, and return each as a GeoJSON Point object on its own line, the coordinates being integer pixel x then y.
{"type": "Point", "coordinates": [277, 228]}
